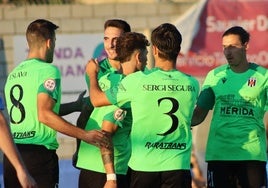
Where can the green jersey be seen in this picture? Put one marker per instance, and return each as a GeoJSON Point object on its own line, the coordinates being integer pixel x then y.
{"type": "Point", "coordinates": [237, 131]}
{"type": "Point", "coordinates": [121, 117]}
{"type": "Point", "coordinates": [162, 104]}
{"type": "Point", "coordinates": [24, 83]}
{"type": "Point", "coordinates": [104, 68]}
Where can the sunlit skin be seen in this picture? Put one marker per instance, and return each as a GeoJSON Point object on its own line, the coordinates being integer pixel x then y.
{"type": "Point", "coordinates": [235, 52]}
{"type": "Point", "coordinates": [110, 36]}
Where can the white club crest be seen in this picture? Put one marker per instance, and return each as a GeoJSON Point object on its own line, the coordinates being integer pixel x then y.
{"type": "Point", "coordinates": [119, 114]}
{"type": "Point", "coordinates": [50, 84]}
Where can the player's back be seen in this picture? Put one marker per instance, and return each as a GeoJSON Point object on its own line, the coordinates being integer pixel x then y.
{"type": "Point", "coordinates": [165, 91]}
{"type": "Point", "coordinates": [23, 84]}
{"type": "Point", "coordinates": [162, 104]}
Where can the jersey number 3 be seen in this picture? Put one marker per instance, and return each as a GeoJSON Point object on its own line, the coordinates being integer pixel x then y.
{"type": "Point", "coordinates": [175, 120]}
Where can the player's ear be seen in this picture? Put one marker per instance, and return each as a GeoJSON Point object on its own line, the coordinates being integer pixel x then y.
{"type": "Point", "coordinates": [155, 50]}
{"type": "Point", "coordinates": [246, 46]}
{"type": "Point", "coordinates": [48, 43]}
{"type": "Point", "coordinates": [137, 56]}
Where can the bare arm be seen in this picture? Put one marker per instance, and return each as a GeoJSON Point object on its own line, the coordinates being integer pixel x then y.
{"type": "Point", "coordinates": [198, 179]}
{"type": "Point", "coordinates": [97, 96]}
{"type": "Point", "coordinates": [10, 150]}
{"type": "Point", "coordinates": [107, 154]}
{"type": "Point", "coordinates": [46, 115]}
{"type": "Point", "coordinates": [199, 115]}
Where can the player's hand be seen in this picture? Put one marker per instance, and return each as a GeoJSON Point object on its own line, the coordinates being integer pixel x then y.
{"type": "Point", "coordinates": [26, 179]}
{"type": "Point", "coordinates": [97, 138]}
{"type": "Point", "coordinates": [110, 184]}
{"type": "Point", "coordinates": [80, 102]}
{"type": "Point", "coordinates": [80, 98]}
{"type": "Point", "coordinates": [92, 67]}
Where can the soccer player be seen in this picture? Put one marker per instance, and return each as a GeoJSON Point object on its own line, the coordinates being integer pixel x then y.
{"type": "Point", "coordinates": [116, 122]}
{"type": "Point", "coordinates": [113, 28]}
{"type": "Point", "coordinates": [33, 96]}
{"type": "Point", "coordinates": [237, 91]}
{"type": "Point", "coordinates": [162, 102]}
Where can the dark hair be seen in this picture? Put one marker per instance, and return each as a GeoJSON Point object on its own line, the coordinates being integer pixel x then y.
{"type": "Point", "coordinates": [167, 39]}
{"type": "Point", "coordinates": [240, 31]}
{"type": "Point", "coordinates": [40, 30]}
{"type": "Point", "coordinates": [121, 24]}
{"type": "Point", "coordinates": [127, 43]}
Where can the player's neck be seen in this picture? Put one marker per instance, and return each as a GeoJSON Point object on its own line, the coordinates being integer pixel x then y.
{"type": "Point", "coordinates": [165, 65]}
{"type": "Point", "coordinates": [242, 67]}
{"type": "Point", "coordinates": [128, 67]}
{"type": "Point", "coordinates": [36, 56]}
{"type": "Point", "coordinates": [115, 64]}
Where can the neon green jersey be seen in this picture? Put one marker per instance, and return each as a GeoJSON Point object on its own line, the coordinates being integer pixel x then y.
{"type": "Point", "coordinates": [118, 116]}
{"type": "Point", "coordinates": [24, 83]}
{"type": "Point", "coordinates": [104, 68]}
{"type": "Point", "coordinates": [162, 104]}
{"type": "Point", "coordinates": [237, 130]}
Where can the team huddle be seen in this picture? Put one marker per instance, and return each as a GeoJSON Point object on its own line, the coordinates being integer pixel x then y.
{"type": "Point", "coordinates": [134, 130]}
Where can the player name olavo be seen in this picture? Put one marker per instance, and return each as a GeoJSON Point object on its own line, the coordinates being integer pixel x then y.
{"type": "Point", "coordinates": [168, 88]}
{"type": "Point", "coordinates": [17, 75]}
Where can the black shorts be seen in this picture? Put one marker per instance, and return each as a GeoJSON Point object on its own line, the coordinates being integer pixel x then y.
{"type": "Point", "coordinates": [92, 179]}
{"type": "Point", "coordinates": [41, 163]}
{"type": "Point", "coordinates": [232, 174]}
{"type": "Point", "coordinates": [165, 179]}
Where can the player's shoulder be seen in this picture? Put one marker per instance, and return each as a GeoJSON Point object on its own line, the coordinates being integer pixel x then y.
{"type": "Point", "coordinates": [134, 77]}
{"type": "Point", "coordinates": [189, 77]}
{"type": "Point", "coordinates": [36, 65]}
{"type": "Point", "coordinates": [114, 75]}
{"type": "Point", "coordinates": [104, 64]}
{"type": "Point", "coordinates": [219, 69]}
{"type": "Point", "coordinates": [258, 68]}
{"type": "Point", "coordinates": [48, 67]}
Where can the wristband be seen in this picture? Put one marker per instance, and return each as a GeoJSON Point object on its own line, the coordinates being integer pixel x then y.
{"type": "Point", "coordinates": [111, 177]}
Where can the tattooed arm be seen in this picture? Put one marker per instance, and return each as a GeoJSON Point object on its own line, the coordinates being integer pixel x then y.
{"type": "Point", "coordinates": [107, 154]}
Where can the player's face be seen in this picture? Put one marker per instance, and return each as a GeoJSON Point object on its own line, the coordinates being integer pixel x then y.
{"type": "Point", "coordinates": [233, 49]}
{"type": "Point", "coordinates": [110, 36]}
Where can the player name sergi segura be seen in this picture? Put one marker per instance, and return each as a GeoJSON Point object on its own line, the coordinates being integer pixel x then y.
{"type": "Point", "coordinates": [168, 87]}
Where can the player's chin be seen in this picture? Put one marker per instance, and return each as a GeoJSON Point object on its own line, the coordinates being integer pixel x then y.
{"type": "Point", "coordinates": [112, 56]}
